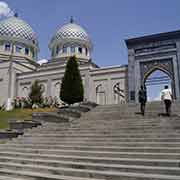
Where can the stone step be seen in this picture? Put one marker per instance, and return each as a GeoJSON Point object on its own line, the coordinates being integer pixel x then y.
{"type": "Point", "coordinates": [110, 174]}
{"type": "Point", "coordinates": [134, 130]}
{"type": "Point", "coordinates": [87, 144]}
{"type": "Point", "coordinates": [135, 111]}
{"type": "Point", "coordinates": [97, 140]}
{"type": "Point", "coordinates": [97, 148]}
{"type": "Point", "coordinates": [157, 104]}
{"type": "Point", "coordinates": [109, 130]}
{"type": "Point", "coordinates": [97, 160]}
{"type": "Point", "coordinates": [28, 175]}
{"type": "Point", "coordinates": [10, 178]}
{"type": "Point", "coordinates": [130, 121]}
{"type": "Point", "coordinates": [100, 126]}
{"type": "Point", "coordinates": [99, 135]}
{"type": "Point", "coordinates": [133, 122]}
{"type": "Point", "coordinates": [124, 176]}
{"type": "Point", "coordinates": [132, 110]}
{"type": "Point", "coordinates": [55, 153]}
{"type": "Point", "coordinates": [70, 112]}
{"type": "Point", "coordinates": [127, 107]}
{"type": "Point", "coordinates": [105, 129]}
{"type": "Point", "coordinates": [124, 125]}
{"type": "Point", "coordinates": [136, 119]}
{"type": "Point", "coordinates": [105, 132]}
{"type": "Point", "coordinates": [124, 117]}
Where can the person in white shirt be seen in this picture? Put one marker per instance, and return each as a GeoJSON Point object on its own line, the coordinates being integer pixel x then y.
{"type": "Point", "coordinates": [166, 96]}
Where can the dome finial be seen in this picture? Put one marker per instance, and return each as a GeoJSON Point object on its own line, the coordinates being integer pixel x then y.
{"type": "Point", "coordinates": [16, 14]}
{"type": "Point", "coordinates": [72, 19]}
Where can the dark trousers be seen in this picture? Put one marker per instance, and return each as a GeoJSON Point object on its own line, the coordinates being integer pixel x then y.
{"type": "Point", "coordinates": [167, 103]}
{"type": "Point", "coordinates": [142, 107]}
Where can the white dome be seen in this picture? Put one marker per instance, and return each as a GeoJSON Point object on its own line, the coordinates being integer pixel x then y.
{"type": "Point", "coordinates": [70, 32]}
{"type": "Point", "coordinates": [14, 28]}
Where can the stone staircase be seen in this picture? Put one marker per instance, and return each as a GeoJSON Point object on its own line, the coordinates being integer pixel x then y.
{"type": "Point", "coordinates": [112, 142]}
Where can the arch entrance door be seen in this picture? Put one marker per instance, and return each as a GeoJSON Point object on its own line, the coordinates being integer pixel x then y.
{"type": "Point", "coordinates": [155, 75]}
{"type": "Point", "coordinates": [155, 83]}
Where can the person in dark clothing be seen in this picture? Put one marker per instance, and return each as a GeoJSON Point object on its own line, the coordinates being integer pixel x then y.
{"type": "Point", "coordinates": [142, 99]}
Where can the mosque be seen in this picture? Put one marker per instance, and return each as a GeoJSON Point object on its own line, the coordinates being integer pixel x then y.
{"type": "Point", "coordinates": [108, 85]}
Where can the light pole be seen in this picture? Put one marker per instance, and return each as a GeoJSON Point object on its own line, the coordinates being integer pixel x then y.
{"type": "Point", "coordinates": [9, 106]}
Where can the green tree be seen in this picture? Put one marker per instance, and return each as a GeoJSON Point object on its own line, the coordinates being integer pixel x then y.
{"type": "Point", "coordinates": [72, 90]}
{"type": "Point", "coordinates": [35, 94]}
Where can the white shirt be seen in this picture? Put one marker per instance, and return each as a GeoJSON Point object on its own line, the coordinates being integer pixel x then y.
{"type": "Point", "coordinates": [166, 94]}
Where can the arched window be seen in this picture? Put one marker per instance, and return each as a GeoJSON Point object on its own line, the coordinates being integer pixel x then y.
{"type": "Point", "coordinates": [57, 50]}
{"type": "Point", "coordinates": [57, 87]}
{"type": "Point", "coordinates": [25, 91]}
{"type": "Point", "coordinates": [100, 94]}
{"type": "Point", "coordinates": [80, 50]}
{"type": "Point", "coordinates": [26, 51]}
{"type": "Point", "coordinates": [72, 49]}
{"type": "Point", "coordinates": [18, 48]}
{"type": "Point", "coordinates": [86, 50]}
{"type": "Point", "coordinates": [7, 46]}
{"type": "Point", "coordinates": [64, 50]}
{"type": "Point", "coordinates": [43, 89]}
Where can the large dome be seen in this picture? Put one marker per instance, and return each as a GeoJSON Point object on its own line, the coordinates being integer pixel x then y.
{"type": "Point", "coordinates": [70, 32]}
{"type": "Point", "coordinates": [15, 29]}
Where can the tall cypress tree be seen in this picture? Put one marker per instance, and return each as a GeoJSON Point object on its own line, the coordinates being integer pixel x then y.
{"type": "Point", "coordinates": [72, 88]}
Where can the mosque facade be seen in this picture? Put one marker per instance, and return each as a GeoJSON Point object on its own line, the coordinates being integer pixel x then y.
{"type": "Point", "coordinates": [103, 85]}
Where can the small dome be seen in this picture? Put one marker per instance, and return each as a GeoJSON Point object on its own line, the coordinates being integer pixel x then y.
{"type": "Point", "coordinates": [14, 28]}
{"type": "Point", "coordinates": [71, 32]}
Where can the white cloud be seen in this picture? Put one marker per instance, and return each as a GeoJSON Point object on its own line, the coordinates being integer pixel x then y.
{"type": "Point", "coordinates": [5, 10]}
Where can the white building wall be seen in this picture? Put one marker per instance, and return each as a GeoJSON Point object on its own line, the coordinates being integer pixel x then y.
{"type": "Point", "coordinates": [92, 78]}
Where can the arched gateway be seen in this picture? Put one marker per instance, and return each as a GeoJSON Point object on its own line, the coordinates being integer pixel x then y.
{"type": "Point", "coordinates": [150, 53]}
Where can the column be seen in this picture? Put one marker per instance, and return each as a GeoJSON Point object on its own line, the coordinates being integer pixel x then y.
{"type": "Point", "coordinates": [131, 75]}
{"type": "Point", "coordinates": [176, 77]}
{"type": "Point", "coordinates": [49, 88]}
{"type": "Point", "coordinates": [178, 65]}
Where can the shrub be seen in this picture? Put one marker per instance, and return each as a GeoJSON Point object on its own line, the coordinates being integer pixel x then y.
{"type": "Point", "coordinates": [35, 94]}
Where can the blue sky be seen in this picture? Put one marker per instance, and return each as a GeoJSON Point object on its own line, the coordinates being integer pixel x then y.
{"type": "Point", "coordinates": [108, 22]}
{"type": "Point", "coordinates": [154, 91]}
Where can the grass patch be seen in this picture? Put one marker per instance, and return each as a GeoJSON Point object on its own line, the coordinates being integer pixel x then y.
{"type": "Point", "coordinates": [19, 114]}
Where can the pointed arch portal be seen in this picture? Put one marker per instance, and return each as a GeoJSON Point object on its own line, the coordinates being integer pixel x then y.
{"type": "Point", "coordinates": [155, 82]}
{"type": "Point", "coordinates": [155, 75]}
